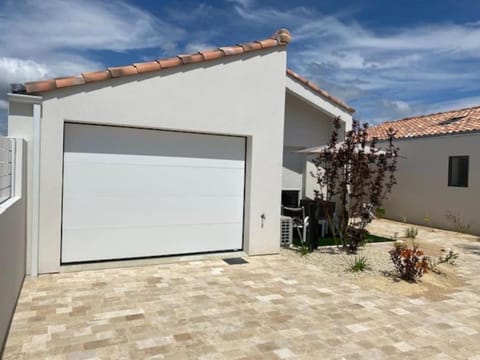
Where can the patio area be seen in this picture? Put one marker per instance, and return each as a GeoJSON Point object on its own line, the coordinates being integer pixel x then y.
{"type": "Point", "coordinates": [271, 308]}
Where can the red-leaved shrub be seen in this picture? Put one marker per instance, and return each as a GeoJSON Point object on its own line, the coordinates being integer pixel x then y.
{"type": "Point", "coordinates": [410, 264]}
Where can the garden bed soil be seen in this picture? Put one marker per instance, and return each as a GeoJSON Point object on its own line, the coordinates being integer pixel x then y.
{"type": "Point", "coordinates": [380, 276]}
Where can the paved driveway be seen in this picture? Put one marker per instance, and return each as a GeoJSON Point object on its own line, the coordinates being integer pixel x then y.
{"type": "Point", "coordinates": [270, 308]}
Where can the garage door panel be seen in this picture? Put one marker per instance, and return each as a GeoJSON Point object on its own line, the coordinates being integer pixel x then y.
{"type": "Point", "coordinates": [134, 193]}
{"type": "Point", "coordinates": [111, 211]}
{"type": "Point", "coordinates": [101, 244]}
{"type": "Point", "coordinates": [94, 139]}
{"type": "Point", "coordinates": [138, 180]}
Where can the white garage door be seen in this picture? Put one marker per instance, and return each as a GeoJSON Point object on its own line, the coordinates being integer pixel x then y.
{"type": "Point", "coordinates": [131, 193]}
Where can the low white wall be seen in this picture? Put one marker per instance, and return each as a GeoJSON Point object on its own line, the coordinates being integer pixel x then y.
{"type": "Point", "coordinates": [20, 126]}
{"type": "Point", "coordinates": [12, 246]}
{"type": "Point", "coordinates": [422, 176]}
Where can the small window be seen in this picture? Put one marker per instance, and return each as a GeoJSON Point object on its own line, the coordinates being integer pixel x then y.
{"type": "Point", "coordinates": [458, 171]}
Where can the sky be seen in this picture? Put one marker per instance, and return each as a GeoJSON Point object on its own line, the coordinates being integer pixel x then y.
{"type": "Point", "coordinates": [387, 59]}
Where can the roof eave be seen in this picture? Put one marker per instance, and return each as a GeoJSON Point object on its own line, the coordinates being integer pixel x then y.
{"type": "Point", "coordinates": [281, 38]}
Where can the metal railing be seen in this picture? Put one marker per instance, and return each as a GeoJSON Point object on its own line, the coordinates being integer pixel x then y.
{"type": "Point", "coordinates": [6, 168]}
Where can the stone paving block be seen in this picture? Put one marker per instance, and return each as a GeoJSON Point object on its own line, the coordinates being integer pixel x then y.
{"type": "Point", "coordinates": [274, 308]}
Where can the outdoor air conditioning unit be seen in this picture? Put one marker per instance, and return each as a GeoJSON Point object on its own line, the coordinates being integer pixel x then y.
{"type": "Point", "coordinates": [286, 231]}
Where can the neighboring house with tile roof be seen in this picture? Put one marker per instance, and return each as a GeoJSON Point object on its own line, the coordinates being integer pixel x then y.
{"type": "Point", "coordinates": [169, 157]}
{"type": "Point", "coordinates": [439, 169]}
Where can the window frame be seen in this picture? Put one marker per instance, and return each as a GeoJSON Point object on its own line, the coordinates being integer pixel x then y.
{"type": "Point", "coordinates": [450, 161]}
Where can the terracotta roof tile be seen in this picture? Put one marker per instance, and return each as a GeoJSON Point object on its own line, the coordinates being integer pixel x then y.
{"type": "Point", "coordinates": [281, 38]}
{"type": "Point", "coordinates": [268, 43]}
{"type": "Point", "coordinates": [40, 86]}
{"type": "Point", "coordinates": [95, 76]}
{"type": "Point", "coordinates": [293, 75]}
{"type": "Point", "coordinates": [231, 50]}
{"type": "Point", "coordinates": [191, 58]}
{"type": "Point", "coordinates": [170, 62]}
{"type": "Point", "coordinates": [69, 81]}
{"type": "Point", "coordinates": [147, 67]}
{"type": "Point", "coordinates": [250, 46]}
{"type": "Point", "coordinates": [120, 71]}
{"type": "Point", "coordinates": [211, 54]}
{"type": "Point", "coordinates": [443, 123]}
{"type": "Point", "coordinates": [283, 35]}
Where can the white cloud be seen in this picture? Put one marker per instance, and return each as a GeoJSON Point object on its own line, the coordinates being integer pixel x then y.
{"type": "Point", "coordinates": [243, 3]}
{"type": "Point", "coordinates": [34, 26]}
{"type": "Point", "coordinates": [455, 104]}
{"type": "Point", "coordinates": [19, 70]}
{"type": "Point", "coordinates": [49, 38]}
{"type": "Point", "coordinates": [194, 47]}
{"type": "Point", "coordinates": [384, 73]}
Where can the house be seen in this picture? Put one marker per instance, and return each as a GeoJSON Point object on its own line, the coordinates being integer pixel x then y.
{"type": "Point", "coordinates": [438, 171]}
{"type": "Point", "coordinates": [178, 156]}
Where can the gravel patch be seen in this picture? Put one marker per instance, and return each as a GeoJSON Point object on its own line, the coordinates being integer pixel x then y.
{"type": "Point", "coordinates": [333, 260]}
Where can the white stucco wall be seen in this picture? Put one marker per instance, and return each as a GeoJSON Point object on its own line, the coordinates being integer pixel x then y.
{"type": "Point", "coordinates": [422, 176]}
{"type": "Point", "coordinates": [306, 125]}
{"type": "Point", "coordinates": [20, 125]}
{"type": "Point", "coordinates": [12, 244]}
{"type": "Point", "coordinates": [242, 96]}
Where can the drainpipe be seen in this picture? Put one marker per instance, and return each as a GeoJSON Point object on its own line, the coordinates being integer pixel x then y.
{"type": "Point", "coordinates": [36, 187]}
{"type": "Point", "coordinates": [36, 102]}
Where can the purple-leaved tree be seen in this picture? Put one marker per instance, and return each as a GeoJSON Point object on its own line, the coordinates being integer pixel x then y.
{"type": "Point", "coordinates": [358, 176]}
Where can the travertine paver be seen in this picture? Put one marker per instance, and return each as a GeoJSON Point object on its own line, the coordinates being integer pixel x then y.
{"type": "Point", "coordinates": [271, 308]}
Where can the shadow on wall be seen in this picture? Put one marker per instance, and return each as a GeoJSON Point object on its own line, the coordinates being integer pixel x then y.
{"type": "Point", "coordinates": [3, 123]}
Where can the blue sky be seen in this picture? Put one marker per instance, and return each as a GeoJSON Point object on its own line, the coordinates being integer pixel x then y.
{"type": "Point", "coordinates": [388, 59]}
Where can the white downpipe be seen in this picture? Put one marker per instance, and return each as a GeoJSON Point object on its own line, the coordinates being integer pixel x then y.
{"type": "Point", "coordinates": [306, 222]}
{"type": "Point", "coordinates": [36, 187]}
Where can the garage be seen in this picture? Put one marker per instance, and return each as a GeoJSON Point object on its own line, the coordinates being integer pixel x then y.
{"type": "Point", "coordinates": [133, 193]}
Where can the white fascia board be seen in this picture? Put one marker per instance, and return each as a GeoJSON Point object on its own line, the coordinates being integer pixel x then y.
{"type": "Point", "coordinates": [316, 100]}
{"type": "Point", "coordinates": [26, 99]}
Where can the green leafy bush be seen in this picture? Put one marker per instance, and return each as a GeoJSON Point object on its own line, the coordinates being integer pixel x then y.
{"type": "Point", "coordinates": [410, 263]}
{"type": "Point", "coordinates": [449, 257]}
{"type": "Point", "coordinates": [357, 264]}
{"type": "Point", "coordinates": [380, 213]}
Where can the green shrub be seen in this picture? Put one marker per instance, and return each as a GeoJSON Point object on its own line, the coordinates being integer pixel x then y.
{"type": "Point", "coordinates": [380, 213]}
{"type": "Point", "coordinates": [357, 264]}
{"type": "Point", "coordinates": [304, 250]}
{"type": "Point", "coordinates": [449, 258]}
{"type": "Point", "coordinates": [411, 232]}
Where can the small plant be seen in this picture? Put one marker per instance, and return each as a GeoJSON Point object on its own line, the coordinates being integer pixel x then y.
{"type": "Point", "coordinates": [304, 250]}
{"type": "Point", "coordinates": [358, 264]}
{"type": "Point", "coordinates": [457, 223]}
{"type": "Point", "coordinates": [404, 219]}
{"type": "Point", "coordinates": [411, 232]}
{"type": "Point", "coordinates": [410, 264]}
{"type": "Point", "coordinates": [380, 213]}
{"type": "Point", "coordinates": [449, 257]}
{"type": "Point", "coordinates": [426, 219]}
